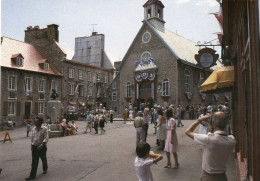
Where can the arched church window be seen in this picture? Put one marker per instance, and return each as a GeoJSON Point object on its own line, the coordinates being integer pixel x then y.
{"type": "Point", "coordinates": [187, 80]}
{"type": "Point", "coordinates": [145, 57]}
{"type": "Point", "coordinates": [128, 89]}
{"type": "Point", "coordinates": [165, 87]}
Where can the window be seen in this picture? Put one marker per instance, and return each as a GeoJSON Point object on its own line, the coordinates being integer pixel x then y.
{"type": "Point", "coordinates": [165, 87]}
{"type": "Point", "coordinates": [28, 86]}
{"type": "Point", "coordinates": [42, 84]}
{"type": "Point", "coordinates": [71, 89]}
{"type": "Point", "coordinates": [80, 74]}
{"type": "Point", "coordinates": [149, 14]}
{"type": "Point", "coordinates": [128, 89]}
{"type": "Point", "coordinates": [11, 108]}
{"type": "Point", "coordinates": [12, 83]}
{"type": "Point", "coordinates": [19, 61]}
{"type": "Point", "coordinates": [71, 73]}
{"type": "Point", "coordinates": [54, 85]}
{"type": "Point", "coordinates": [12, 95]}
{"type": "Point", "coordinates": [187, 80]}
{"type": "Point", "coordinates": [89, 76]}
{"type": "Point", "coordinates": [41, 107]}
{"type": "Point", "coordinates": [81, 90]}
{"type": "Point", "coordinates": [89, 91]}
{"type": "Point", "coordinates": [105, 78]}
{"type": "Point", "coordinates": [98, 77]}
{"type": "Point", "coordinates": [114, 85]}
{"type": "Point", "coordinates": [46, 66]}
{"type": "Point", "coordinates": [114, 96]}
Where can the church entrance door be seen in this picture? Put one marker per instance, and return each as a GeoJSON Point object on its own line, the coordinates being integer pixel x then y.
{"type": "Point", "coordinates": [145, 91]}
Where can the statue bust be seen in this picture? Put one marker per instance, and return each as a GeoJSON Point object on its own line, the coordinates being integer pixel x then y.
{"type": "Point", "coordinates": [54, 94]}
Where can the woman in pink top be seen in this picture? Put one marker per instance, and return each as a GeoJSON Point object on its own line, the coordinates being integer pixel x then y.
{"type": "Point", "coordinates": [171, 145]}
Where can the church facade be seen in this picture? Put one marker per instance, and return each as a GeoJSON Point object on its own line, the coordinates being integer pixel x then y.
{"type": "Point", "coordinates": [159, 67]}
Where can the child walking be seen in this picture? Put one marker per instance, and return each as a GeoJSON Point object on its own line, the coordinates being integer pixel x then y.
{"type": "Point", "coordinates": [145, 158]}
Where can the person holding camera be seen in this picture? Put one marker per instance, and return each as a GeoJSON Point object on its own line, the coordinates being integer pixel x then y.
{"type": "Point", "coordinates": [217, 146]}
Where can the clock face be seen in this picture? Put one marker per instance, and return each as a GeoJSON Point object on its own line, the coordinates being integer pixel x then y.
{"type": "Point", "coordinates": [206, 60]}
{"type": "Point", "coordinates": [146, 37]}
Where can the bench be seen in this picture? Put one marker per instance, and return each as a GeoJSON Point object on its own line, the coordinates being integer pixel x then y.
{"type": "Point", "coordinates": [7, 136]}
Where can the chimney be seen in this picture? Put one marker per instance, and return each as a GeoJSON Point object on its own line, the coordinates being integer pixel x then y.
{"type": "Point", "coordinates": [94, 33]}
{"type": "Point", "coordinates": [53, 32]}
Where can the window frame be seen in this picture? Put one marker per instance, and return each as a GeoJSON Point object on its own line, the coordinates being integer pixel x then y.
{"type": "Point", "coordinates": [12, 84]}
{"type": "Point", "coordinates": [54, 85]}
{"type": "Point", "coordinates": [187, 81]}
{"type": "Point", "coordinates": [114, 85]}
{"type": "Point", "coordinates": [13, 108]}
{"type": "Point", "coordinates": [71, 89]}
{"type": "Point", "coordinates": [81, 90]}
{"type": "Point", "coordinates": [28, 86]}
{"type": "Point", "coordinates": [80, 72]}
{"type": "Point", "coordinates": [105, 78]}
{"type": "Point", "coordinates": [19, 61]}
{"type": "Point", "coordinates": [114, 96]}
{"type": "Point", "coordinates": [46, 66]}
{"type": "Point", "coordinates": [128, 89]}
{"type": "Point", "coordinates": [90, 77]}
{"type": "Point", "coordinates": [71, 73]}
{"type": "Point", "coordinates": [43, 86]}
{"type": "Point", "coordinates": [165, 87]}
{"type": "Point", "coordinates": [41, 108]}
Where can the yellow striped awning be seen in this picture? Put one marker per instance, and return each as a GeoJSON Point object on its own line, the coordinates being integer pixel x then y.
{"type": "Point", "coordinates": [221, 77]}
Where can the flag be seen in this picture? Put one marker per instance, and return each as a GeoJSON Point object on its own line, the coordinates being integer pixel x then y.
{"type": "Point", "coordinates": [220, 37]}
{"type": "Point", "coordinates": [77, 88]}
{"type": "Point", "coordinates": [98, 95]}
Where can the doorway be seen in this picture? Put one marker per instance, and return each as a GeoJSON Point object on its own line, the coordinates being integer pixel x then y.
{"type": "Point", "coordinates": [27, 110]}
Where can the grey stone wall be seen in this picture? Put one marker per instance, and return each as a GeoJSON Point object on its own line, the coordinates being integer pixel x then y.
{"type": "Point", "coordinates": [20, 97]}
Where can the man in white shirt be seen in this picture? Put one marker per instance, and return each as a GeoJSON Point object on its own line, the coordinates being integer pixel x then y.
{"type": "Point", "coordinates": [38, 147]}
{"type": "Point", "coordinates": [217, 146]}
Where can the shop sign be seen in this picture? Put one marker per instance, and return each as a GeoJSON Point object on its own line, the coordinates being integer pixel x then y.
{"type": "Point", "coordinates": [206, 58]}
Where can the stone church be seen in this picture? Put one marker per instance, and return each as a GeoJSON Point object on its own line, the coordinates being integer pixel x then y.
{"type": "Point", "coordinates": [159, 67]}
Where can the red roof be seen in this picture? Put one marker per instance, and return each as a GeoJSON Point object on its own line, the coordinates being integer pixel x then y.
{"type": "Point", "coordinates": [32, 58]}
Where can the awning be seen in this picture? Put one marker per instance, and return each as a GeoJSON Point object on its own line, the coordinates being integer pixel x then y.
{"type": "Point", "coordinates": [220, 78]}
{"type": "Point", "coordinates": [72, 103]}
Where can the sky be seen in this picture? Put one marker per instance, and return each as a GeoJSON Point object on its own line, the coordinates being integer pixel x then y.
{"type": "Point", "coordinates": [118, 20]}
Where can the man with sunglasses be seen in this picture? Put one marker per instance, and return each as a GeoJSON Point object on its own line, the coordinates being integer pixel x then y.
{"type": "Point", "coordinates": [217, 146]}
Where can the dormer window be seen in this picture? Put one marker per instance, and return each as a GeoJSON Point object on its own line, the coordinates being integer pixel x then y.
{"type": "Point", "coordinates": [46, 66]}
{"type": "Point", "coordinates": [149, 13]}
{"type": "Point", "coordinates": [19, 61]}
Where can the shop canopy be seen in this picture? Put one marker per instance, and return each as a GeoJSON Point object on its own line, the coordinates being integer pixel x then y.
{"type": "Point", "coordinates": [221, 78]}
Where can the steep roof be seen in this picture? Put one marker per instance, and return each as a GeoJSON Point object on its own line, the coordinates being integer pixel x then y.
{"type": "Point", "coordinates": [32, 58]}
{"type": "Point", "coordinates": [180, 47]}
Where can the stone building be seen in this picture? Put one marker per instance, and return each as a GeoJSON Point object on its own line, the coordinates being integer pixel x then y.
{"type": "Point", "coordinates": [91, 50]}
{"type": "Point", "coordinates": [83, 86]}
{"type": "Point", "coordinates": [159, 67]}
{"type": "Point", "coordinates": [27, 78]}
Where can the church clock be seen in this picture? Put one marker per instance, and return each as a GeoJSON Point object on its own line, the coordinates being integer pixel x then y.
{"type": "Point", "coordinates": [146, 37]}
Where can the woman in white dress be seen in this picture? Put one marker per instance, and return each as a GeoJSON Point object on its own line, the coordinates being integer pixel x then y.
{"type": "Point", "coordinates": [131, 115]}
{"type": "Point", "coordinates": [161, 128]}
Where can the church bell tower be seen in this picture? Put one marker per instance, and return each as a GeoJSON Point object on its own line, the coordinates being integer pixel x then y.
{"type": "Point", "coordinates": [153, 13]}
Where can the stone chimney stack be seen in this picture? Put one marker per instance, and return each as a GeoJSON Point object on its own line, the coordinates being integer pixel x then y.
{"type": "Point", "coordinates": [35, 34]}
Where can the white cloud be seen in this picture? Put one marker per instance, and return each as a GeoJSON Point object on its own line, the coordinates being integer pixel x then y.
{"type": "Point", "coordinates": [209, 3]}
{"type": "Point", "coordinates": [182, 1]}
